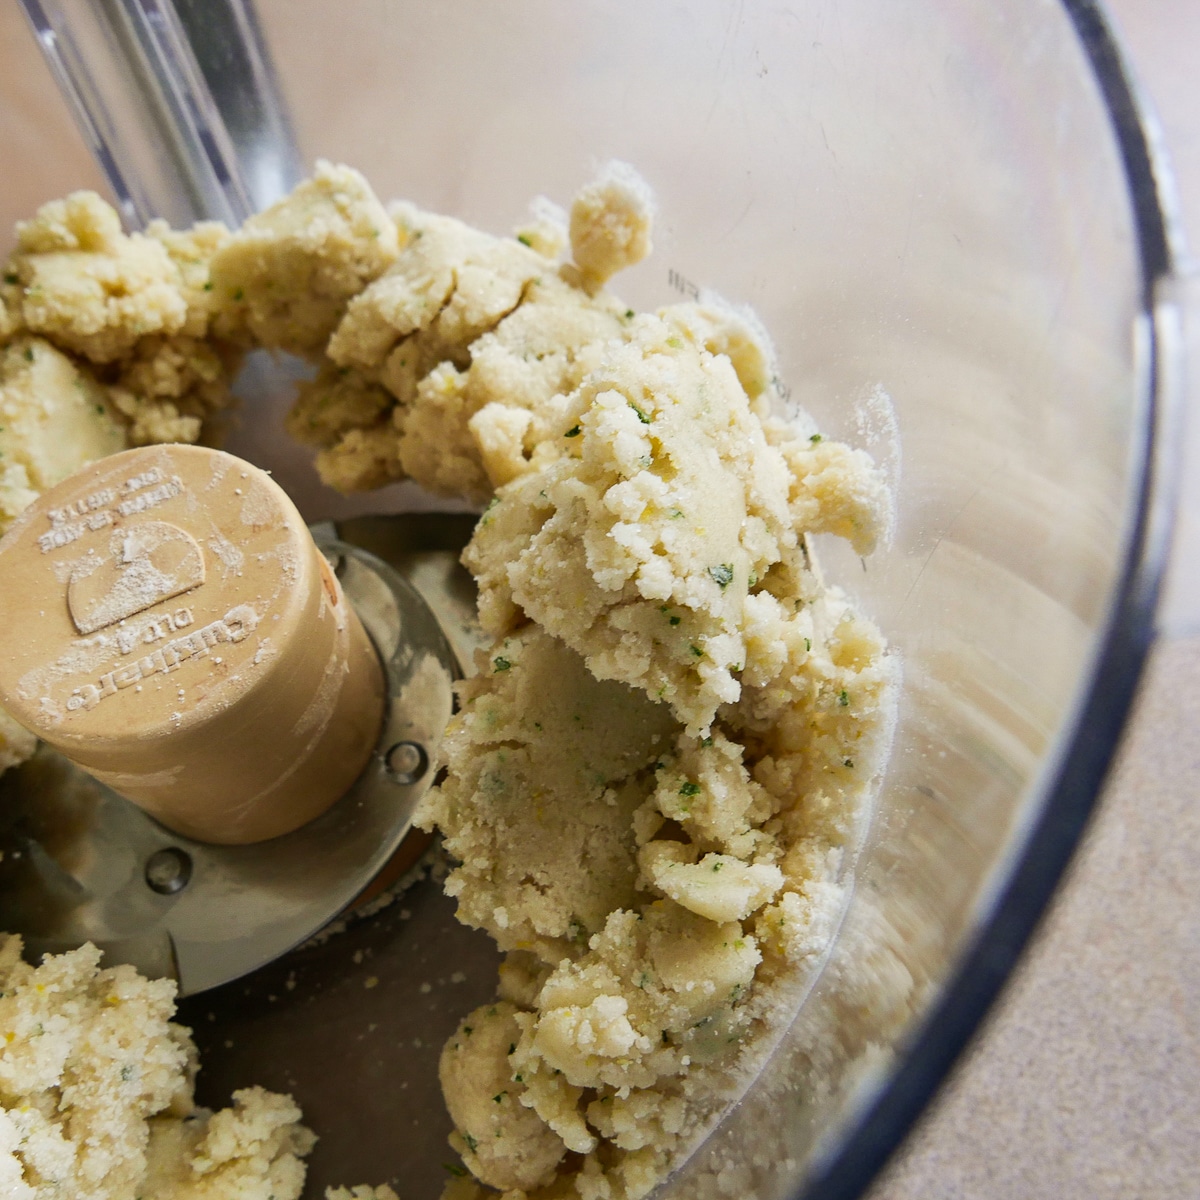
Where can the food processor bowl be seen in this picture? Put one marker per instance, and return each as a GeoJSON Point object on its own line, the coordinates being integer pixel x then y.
{"type": "Point", "coordinates": [951, 220]}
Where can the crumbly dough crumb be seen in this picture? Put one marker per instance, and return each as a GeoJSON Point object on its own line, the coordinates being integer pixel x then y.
{"type": "Point", "coordinates": [502, 1140]}
{"type": "Point", "coordinates": [361, 1192]}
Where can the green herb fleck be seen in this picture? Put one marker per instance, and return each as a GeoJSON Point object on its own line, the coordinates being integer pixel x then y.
{"type": "Point", "coordinates": [240, 294]}
{"type": "Point", "coordinates": [847, 762]}
{"type": "Point", "coordinates": [498, 1098]}
{"type": "Point", "coordinates": [674, 620]}
{"type": "Point", "coordinates": [468, 1030]}
{"type": "Point", "coordinates": [674, 343]}
{"type": "Point", "coordinates": [501, 663]}
{"type": "Point", "coordinates": [455, 1169]}
{"type": "Point", "coordinates": [722, 576]}
{"type": "Point", "coordinates": [29, 354]}
{"type": "Point", "coordinates": [208, 286]}
{"type": "Point", "coordinates": [816, 437]}
{"type": "Point", "coordinates": [574, 431]}
{"type": "Point", "coordinates": [690, 789]}
{"type": "Point", "coordinates": [471, 1142]}
{"type": "Point", "coordinates": [645, 420]}
{"type": "Point", "coordinates": [524, 240]}
{"type": "Point", "coordinates": [843, 697]}
{"type": "Point", "coordinates": [127, 1072]}
{"type": "Point", "coordinates": [11, 277]}
{"type": "Point", "coordinates": [100, 409]}
{"type": "Point", "coordinates": [717, 866]}
{"type": "Point", "coordinates": [706, 742]}
{"type": "Point", "coordinates": [629, 314]}
{"type": "Point", "coordinates": [696, 651]}
{"type": "Point", "coordinates": [808, 643]}
{"type": "Point", "coordinates": [511, 1047]}
{"type": "Point", "coordinates": [676, 513]}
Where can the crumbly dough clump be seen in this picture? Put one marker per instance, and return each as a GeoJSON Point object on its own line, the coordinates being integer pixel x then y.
{"type": "Point", "coordinates": [88, 286]}
{"type": "Point", "coordinates": [564, 761]}
{"type": "Point", "coordinates": [287, 275]}
{"type": "Point", "coordinates": [611, 219]}
{"type": "Point", "coordinates": [639, 544]}
{"type": "Point", "coordinates": [451, 367]}
{"type": "Point", "coordinates": [653, 889]}
{"type": "Point", "coordinates": [96, 1095]}
{"type": "Point", "coordinates": [54, 418]}
{"type": "Point", "coordinates": [134, 316]}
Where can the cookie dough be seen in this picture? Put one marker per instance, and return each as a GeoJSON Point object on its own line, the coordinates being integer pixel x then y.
{"type": "Point", "coordinates": [660, 769]}
{"type": "Point", "coordinates": [96, 1095]}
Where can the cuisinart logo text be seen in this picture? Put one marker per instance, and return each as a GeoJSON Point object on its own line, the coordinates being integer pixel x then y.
{"type": "Point", "coordinates": [238, 623]}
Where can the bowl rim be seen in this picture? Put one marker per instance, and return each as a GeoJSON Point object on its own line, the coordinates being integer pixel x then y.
{"type": "Point", "coordinates": [1071, 789]}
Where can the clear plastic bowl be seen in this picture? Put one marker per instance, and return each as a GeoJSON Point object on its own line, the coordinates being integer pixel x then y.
{"type": "Point", "coordinates": [949, 216]}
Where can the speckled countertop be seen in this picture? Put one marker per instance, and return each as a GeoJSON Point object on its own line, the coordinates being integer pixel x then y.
{"type": "Point", "coordinates": [1085, 1083]}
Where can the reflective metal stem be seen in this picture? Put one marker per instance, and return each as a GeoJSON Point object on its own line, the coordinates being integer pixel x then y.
{"type": "Point", "coordinates": [177, 101]}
